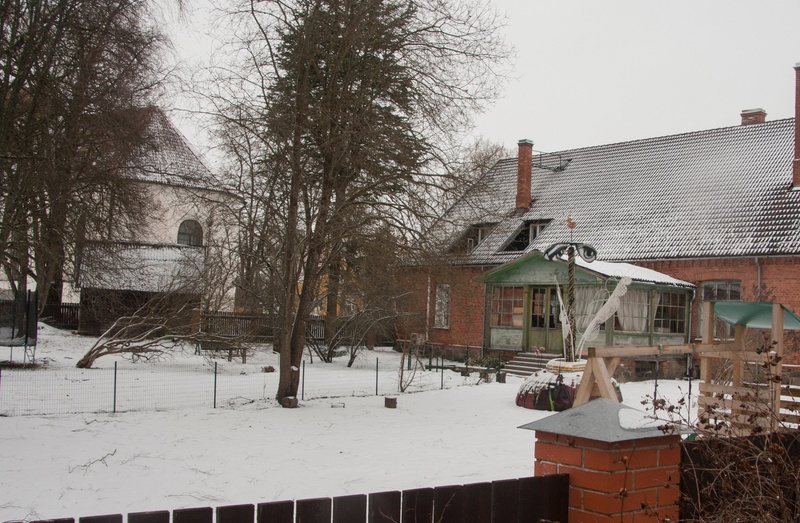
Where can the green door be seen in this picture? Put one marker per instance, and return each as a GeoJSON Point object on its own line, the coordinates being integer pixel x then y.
{"type": "Point", "coordinates": [545, 323]}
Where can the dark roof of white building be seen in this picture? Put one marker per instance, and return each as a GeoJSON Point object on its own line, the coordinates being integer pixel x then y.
{"type": "Point", "coordinates": [167, 157]}
{"type": "Point", "coordinates": [717, 193]}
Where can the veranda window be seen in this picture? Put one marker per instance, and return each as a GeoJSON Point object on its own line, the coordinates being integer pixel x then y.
{"type": "Point", "coordinates": [633, 314]}
{"type": "Point", "coordinates": [670, 314]}
{"type": "Point", "coordinates": [507, 306]}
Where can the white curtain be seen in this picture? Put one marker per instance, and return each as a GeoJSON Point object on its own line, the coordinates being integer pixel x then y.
{"type": "Point", "coordinates": [633, 311]}
{"type": "Point", "coordinates": [588, 301]}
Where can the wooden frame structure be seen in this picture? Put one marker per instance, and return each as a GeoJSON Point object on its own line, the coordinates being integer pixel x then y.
{"type": "Point", "coordinates": [734, 399]}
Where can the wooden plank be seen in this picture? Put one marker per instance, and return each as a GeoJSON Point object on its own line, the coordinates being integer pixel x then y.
{"type": "Point", "coordinates": [752, 407]}
{"type": "Point", "coordinates": [317, 510]}
{"type": "Point", "coordinates": [789, 417]}
{"type": "Point", "coordinates": [586, 385]}
{"type": "Point", "coordinates": [716, 388]}
{"type": "Point", "coordinates": [384, 507]}
{"type": "Point", "coordinates": [107, 518]}
{"type": "Point", "coordinates": [749, 356]}
{"type": "Point", "coordinates": [544, 498]}
{"type": "Point", "coordinates": [603, 381]}
{"type": "Point", "coordinates": [505, 501]}
{"type": "Point", "coordinates": [235, 514]}
{"type": "Point", "coordinates": [611, 366]}
{"type": "Point", "coordinates": [477, 503]}
{"type": "Point", "coordinates": [275, 512]}
{"type": "Point", "coordinates": [447, 504]}
{"type": "Point", "coordinates": [193, 515]}
{"type": "Point", "coordinates": [418, 505]}
{"type": "Point", "coordinates": [158, 516]}
{"type": "Point", "coordinates": [790, 404]}
{"type": "Point", "coordinates": [632, 351]}
{"type": "Point", "coordinates": [350, 508]}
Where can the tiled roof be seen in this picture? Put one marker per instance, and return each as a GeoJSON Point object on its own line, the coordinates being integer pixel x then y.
{"type": "Point", "coordinates": [166, 157]}
{"type": "Point", "coordinates": [718, 193]}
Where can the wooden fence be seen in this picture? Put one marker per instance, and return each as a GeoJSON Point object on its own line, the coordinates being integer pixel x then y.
{"type": "Point", "coordinates": [503, 501]}
{"type": "Point", "coordinates": [253, 327]}
{"type": "Point", "coordinates": [733, 387]}
{"type": "Point", "coordinates": [61, 315]}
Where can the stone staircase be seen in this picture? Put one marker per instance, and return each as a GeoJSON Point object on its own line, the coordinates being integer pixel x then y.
{"type": "Point", "coordinates": [526, 363]}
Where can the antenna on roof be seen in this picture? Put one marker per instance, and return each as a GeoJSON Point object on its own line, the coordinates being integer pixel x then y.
{"type": "Point", "coordinates": [560, 167]}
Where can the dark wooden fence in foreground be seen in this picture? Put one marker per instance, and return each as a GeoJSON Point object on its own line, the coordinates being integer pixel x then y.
{"type": "Point", "coordinates": [505, 501]}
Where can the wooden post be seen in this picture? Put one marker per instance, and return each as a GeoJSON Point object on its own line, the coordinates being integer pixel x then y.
{"type": "Point", "coordinates": [708, 338]}
{"type": "Point", "coordinates": [777, 346]}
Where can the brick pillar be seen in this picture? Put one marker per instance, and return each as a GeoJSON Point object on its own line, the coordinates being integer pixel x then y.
{"type": "Point", "coordinates": [616, 474]}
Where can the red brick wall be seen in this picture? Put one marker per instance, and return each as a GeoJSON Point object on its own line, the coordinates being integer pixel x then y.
{"type": "Point", "coordinates": [466, 305]}
{"type": "Point", "coordinates": [631, 481]}
{"type": "Point", "coordinates": [780, 278]}
{"type": "Point", "coordinates": [780, 281]}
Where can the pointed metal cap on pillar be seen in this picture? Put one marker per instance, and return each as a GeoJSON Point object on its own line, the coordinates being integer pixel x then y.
{"type": "Point", "coordinates": [600, 420]}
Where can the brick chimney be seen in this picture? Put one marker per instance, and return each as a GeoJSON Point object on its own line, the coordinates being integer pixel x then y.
{"type": "Point", "coordinates": [753, 116]}
{"type": "Point", "coordinates": [796, 162]}
{"type": "Point", "coordinates": [524, 163]}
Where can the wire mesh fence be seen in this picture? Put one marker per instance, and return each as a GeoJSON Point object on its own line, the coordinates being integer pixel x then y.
{"type": "Point", "coordinates": [124, 386]}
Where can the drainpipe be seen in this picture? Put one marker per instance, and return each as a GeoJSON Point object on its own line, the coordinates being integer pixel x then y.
{"type": "Point", "coordinates": [758, 284]}
{"type": "Point", "coordinates": [428, 308]}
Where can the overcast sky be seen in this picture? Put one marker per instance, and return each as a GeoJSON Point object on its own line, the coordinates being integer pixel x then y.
{"type": "Point", "coordinates": [591, 72]}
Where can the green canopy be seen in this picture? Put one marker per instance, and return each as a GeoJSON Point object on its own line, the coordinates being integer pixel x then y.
{"type": "Point", "coordinates": [754, 315]}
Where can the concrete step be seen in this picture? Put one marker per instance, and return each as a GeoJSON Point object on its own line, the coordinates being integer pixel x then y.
{"type": "Point", "coordinates": [526, 363]}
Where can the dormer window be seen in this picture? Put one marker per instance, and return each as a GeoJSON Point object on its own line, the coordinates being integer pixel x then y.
{"type": "Point", "coordinates": [525, 235]}
{"type": "Point", "coordinates": [473, 237]}
{"type": "Point", "coordinates": [190, 233]}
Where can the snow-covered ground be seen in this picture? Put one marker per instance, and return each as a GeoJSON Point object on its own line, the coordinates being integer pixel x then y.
{"type": "Point", "coordinates": [252, 451]}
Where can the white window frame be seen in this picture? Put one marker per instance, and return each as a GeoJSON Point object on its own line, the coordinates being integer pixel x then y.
{"type": "Point", "coordinates": [441, 319]}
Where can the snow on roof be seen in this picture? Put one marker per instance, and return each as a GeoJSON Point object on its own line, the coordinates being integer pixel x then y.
{"type": "Point", "coordinates": [720, 192]}
{"type": "Point", "coordinates": [641, 274]}
{"type": "Point", "coordinates": [167, 157]}
{"type": "Point", "coordinates": [142, 267]}
{"type": "Point", "coordinates": [600, 420]}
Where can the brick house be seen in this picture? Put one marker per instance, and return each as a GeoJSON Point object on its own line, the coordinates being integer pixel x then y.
{"type": "Point", "coordinates": [716, 210]}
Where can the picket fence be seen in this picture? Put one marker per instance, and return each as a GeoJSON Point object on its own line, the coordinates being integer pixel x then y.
{"type": "Point", "coordinates": [543, 498]}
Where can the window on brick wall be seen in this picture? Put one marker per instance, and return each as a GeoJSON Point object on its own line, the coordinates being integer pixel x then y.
{"type": "Point", "coordinates": [442, 317]}
{"type": "Point", "coordinates": [507, 307]}
{"type": "Point", "coordinates": [719, 290]}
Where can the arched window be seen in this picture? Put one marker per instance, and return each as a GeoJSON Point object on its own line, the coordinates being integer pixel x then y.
{"type": "Point", "coordinates": [190, 233]}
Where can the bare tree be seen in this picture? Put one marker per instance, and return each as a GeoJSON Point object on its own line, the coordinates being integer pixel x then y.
{"type": "Point", "coordinates": [72, 73]}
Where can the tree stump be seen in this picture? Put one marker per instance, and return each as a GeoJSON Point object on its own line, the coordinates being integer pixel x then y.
{"type": "Point", "coordinates": [390, 402]}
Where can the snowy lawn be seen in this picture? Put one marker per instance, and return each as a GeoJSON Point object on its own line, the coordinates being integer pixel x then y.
{"type": "Point", "coordinates": [251, 452]}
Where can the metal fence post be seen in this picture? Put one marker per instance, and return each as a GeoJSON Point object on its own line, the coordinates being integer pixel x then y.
{"type": "Point", "coordinates": [114, 410]}
{"type": "Point", "coordinates": [215, 384]}
{"type": "Point", "coordinates": [303, 383]}
{"type": "Point", "coordinates": [376, 376]}
{"type": "Point", "coordinates": [442, 367]}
